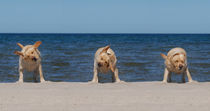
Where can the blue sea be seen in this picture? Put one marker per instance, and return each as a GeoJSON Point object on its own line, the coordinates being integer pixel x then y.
{"type": "Point", "coordinates": [70, 57]}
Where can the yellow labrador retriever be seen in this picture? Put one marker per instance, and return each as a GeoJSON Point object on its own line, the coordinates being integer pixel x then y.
{"type": "Point", "coordinates": [30, 60]}
{"type": "Point", "coordinates": [176, 62]}
{"type": "Point", "coordinates": [105, 61]}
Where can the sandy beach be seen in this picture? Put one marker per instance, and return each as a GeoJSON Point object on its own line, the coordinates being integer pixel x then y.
{"type": "Point", "coordinates": [135, 96]}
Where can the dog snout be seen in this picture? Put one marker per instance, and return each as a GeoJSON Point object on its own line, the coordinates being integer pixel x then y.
{"type": "Point", "coordinates": [180, 67]}
{"type": "Point", "coordinates": [34, 59]}
{"type": "Point", "coordinates": [99, 64]}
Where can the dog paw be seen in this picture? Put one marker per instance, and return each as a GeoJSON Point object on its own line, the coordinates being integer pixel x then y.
{"type": "Point", "coordinates": [19, 81]}
{"type": "Point", "coordinates": [93, 82]}
{"type": "Point", "coordinates": [164, 82]}
{"type": "Point", "coordinates": [42, 81]}
{"type": "Point", "coordinates": [119, 81]}
{"type": "Point", "coordinates": [193, 81]}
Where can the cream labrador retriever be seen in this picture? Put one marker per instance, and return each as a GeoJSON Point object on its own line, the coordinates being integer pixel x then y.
{"type": "Point", "coordinates": [30, 60]}
{"type": "Point", "coordinates": [105, 61]}
{"type": "Point", "coordinates": [176, 62]}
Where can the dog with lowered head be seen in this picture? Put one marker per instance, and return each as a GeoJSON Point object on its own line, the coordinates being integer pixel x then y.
{"type": "Point", "coordinates": [105, 61]}
{"type": "Point", "coordinates": [176, 62]}
{"type": "Point", "coordinates": [30, 60]}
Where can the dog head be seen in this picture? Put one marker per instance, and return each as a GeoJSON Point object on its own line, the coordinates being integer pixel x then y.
{"type": "Point", "coordinates": [30, 53]}
{"type": "Point", "coordinates": [104, 59]}
{"type": "Point", "coordinates": [178, 60]}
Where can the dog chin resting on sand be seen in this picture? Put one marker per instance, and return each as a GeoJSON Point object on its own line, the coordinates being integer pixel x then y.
{"type": "Point", "coordinates": [104, 62]}
{"type": "Point", "coordinates": [30, 60]}
{"type": "Point", "coordinates": [176, 62]}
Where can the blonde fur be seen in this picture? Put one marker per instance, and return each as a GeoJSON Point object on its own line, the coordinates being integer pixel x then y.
{"type": "Point", "coordinates": [105, 61]}
{"type": "Point", "coordinates": [176, 62]}
{"type": "Point", "coordinates": [30, 60]}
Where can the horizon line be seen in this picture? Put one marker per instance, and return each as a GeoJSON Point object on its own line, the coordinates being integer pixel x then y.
{"type": "Point", "coordinates": [105, 33]}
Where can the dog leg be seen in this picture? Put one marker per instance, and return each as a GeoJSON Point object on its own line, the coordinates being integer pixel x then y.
{"type": "Point", "coordinates": [183, 78]}
{"type": "Point", "coordinates": [169, 77]}
{"type": "Point", "coordinates": [189, 76]}
{"type": "Point", "coordinates": [35, 76]}
{"type": "Point", "coordinates": [166, 73]}
{"type": "Point", "coordinates": [113, 71]}
{"type": "Point", "coordinates": [117, 79]}
{"type": "Point", "coordinates": [20, 74]}
{"type": "Point", "coordinates": [113, 77]}
{"type": "Point", "coordinates": [95, 75]}
{"type": "Point", "coordinates": [40, 73]}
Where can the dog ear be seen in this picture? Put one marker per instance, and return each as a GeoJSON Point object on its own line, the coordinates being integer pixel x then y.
{"type": "Point", "coordinates": [37, 44]}
{"type": "Point", "coordinates": [163, 56]}
{"type": "Point", "coordinates": [105, 49]}
{"type": "Point", "coordinates": [20, 45]}
{"type": "Point", "coordinates": [18, 53]}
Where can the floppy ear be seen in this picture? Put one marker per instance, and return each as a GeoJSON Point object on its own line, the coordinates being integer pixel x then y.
{"type": "Point", "coordinates": [105, 49]}
{"type": "Point", "coordinates": [37, 44]}
{"type": "Point", "coordinates": [18, 53]}
{"type": "Point", "coordinates": [163, 56]}
{"type": "Point", "coordinates": [20, 45]}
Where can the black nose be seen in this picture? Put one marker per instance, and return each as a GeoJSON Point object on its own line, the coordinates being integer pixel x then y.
{"type": "Point", "coordinates": [180, 67]}
{"type": "Point", "coordinates": [34, 59]}
{"type": "Point", "coordinates": [99, 64]}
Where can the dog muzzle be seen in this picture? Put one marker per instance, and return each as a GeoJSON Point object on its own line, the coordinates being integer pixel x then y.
{"type": "Point", "coordinates": [34, 59]}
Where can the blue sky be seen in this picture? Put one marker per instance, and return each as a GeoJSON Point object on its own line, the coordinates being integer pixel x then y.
{"type": "Point", "coordinates": [104, 16]}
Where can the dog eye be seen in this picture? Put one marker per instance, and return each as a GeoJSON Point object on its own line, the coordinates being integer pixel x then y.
{"type": "Point", "coordinates": [101, 58]}
{"type": "Point", "coordinates": [32, 52]}
{"type": "Point", "coordinates": [176, 61]}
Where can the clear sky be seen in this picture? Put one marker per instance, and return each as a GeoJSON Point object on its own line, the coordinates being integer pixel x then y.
{"type": "Point", "coordinates": [104, 16]}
